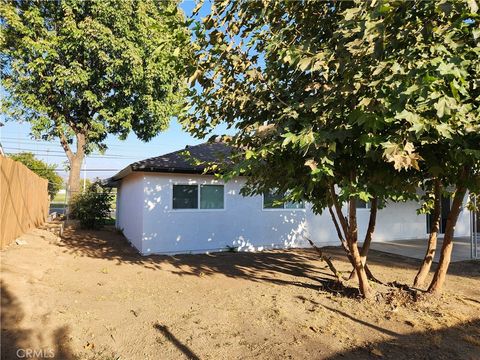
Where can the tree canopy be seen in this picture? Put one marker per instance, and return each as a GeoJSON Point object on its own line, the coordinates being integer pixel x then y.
{"type": "Point", "coordinates": [336, 101]}
{"type": "Point", "coordinates": [42, 169]}
{"type": "Point", "coordinates": [80, 70]}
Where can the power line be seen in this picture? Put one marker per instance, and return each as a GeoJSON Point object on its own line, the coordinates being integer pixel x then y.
{"type": "Point", "coordinates": [39, 147]}
{"type": "Point", "coordinates": [66, 170]}
{"type": "Point", "coordinates": [53, 152]}
{"type": "Point", "coordinates": [39, 141]}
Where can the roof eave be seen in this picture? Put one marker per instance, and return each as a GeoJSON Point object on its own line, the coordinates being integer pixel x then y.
{"type": "Point", "coordinates": [114, 181]}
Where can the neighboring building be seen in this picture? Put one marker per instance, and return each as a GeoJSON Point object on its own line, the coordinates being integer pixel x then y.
{"type": "Point", "coordinates": [165, 205]}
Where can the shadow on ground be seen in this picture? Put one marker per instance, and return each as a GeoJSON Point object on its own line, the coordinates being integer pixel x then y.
{"type": "Point", "coordinates": [184, 349]}
{"type": "Point", "coordinates": [457, 342]}
{"type": "Point", "coordinates": [111, 245]}
{"type": "Point", "coordinates": [261, 266]}
{"type": "Point", "coordinates": [18, 342]}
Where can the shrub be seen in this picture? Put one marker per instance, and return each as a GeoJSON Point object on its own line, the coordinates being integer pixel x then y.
{"type": "Point", "coordinates": [92, 207]}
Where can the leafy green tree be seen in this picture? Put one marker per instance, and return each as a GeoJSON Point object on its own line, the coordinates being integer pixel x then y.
{"type": "Point", "coordinates": [339, 101]}
{"type": "Point", "coordinates": [80, 70]}
{"type": "Point", "coordinates": [423, 58]}
{"type": "Point", "coordinates": [42, 169]}
{"type": "Point", "coordinates": [297, 127]}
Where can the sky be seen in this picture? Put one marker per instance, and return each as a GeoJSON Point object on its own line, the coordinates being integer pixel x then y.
{"type": "Point", "coordinates": [15, 137]}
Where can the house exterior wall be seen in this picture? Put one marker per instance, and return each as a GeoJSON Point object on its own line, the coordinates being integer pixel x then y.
{"type": "Point", "coordinates": [242, 223]}
{"type": "Point", "coordinates": [129, 210]}
{"type": "Point", "coordinates": [149, 222]}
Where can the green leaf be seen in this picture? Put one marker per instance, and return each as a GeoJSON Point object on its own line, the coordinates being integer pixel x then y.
{"type": "Point", "coordinates": [249, 154]}
{"type": "Point", "coordinates": [305, 63]}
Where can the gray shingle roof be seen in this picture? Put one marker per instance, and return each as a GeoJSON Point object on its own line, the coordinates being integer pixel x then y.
{"type": "Point", "coordinates": [181, 161]}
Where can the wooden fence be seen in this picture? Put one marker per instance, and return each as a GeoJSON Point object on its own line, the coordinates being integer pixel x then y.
{"type": "Point", "coordinates": [24, 200]}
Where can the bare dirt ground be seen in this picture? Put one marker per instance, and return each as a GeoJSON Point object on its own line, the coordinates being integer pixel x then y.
{"type": "Point", "coordinates": [90, 296]}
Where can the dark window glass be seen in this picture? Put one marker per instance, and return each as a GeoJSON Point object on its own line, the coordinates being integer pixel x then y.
{"type": "Point", "coordinates": [362, 204]}
{"type": "Point", "coordinates": [271, 201]}
{"type": "Point", "coordinates": [185, 196]}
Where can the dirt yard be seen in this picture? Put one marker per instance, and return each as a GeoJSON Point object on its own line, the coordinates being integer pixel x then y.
{"type": "Point", "coordinates": [90, 296]}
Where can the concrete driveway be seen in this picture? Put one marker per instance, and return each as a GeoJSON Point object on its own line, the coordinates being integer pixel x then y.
{"type": "Point", "coordinates": [416, 248]}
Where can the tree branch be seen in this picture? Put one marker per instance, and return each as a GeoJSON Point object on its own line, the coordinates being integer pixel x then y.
{"type": "Point", "coordinates": [329, 262]}
{"type": "Point", "coordinates": [64, 143]}
{"type": "Point", "coordinates": [338, 209]}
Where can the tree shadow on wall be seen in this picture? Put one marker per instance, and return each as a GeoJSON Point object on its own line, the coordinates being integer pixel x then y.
{"type": "Point", "coordinates": [18, 342]}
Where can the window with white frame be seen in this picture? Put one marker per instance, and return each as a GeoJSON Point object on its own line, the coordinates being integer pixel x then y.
{"type": "Point", "coordinates": [198, 196]}
{"type": "Point", "coordinates": [274, 200]}
{"type": "Point", "coordinates": [185, 196]}
{"type": "Point", "coordinates": [211, 197]}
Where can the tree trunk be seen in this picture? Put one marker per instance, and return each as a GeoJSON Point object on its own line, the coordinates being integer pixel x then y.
{"type": "Point", "coordinates": [75, 160]}
{"type": "Point", "coordinates": [368, 239]}
{"type": "Point", "coordinates": [74, 175]}
{"type": "Point", "coordinates": [439, 276]}
{"type": "Point", "coordinates": [432, 239]}
{"type": "Point", "coordinates": [350, 230]}
{"type": "Point", "coordinates": [352, 239]}
{"type": "Point", "coordinates": [340, 236]}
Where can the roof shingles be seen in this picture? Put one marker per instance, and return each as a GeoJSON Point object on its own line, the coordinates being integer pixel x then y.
{"type": "Point", "coordinates": [191, 160]}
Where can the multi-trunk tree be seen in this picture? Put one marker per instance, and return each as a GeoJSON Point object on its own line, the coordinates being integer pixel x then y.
{"type": "Point", "coordinates": [424, 62]}
{"type": "Point", "coordinates": [297, 121]}
{"type": "Point", "coordinates": [338, 101]}
{"type": "Point", "coordinates": [80, 70]}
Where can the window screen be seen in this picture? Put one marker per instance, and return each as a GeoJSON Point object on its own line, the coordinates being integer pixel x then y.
{"type": "Point", "coordinates": [211, 197]}
{"type": "Point", "coordinates": [295, 205]}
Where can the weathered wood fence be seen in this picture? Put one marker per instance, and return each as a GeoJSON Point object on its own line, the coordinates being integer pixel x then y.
{"type": "Point", "coordinates": [24, 200]}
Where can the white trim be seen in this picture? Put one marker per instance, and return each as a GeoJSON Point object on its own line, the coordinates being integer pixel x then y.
{"type": "Point", "coordinates": [283, 209]}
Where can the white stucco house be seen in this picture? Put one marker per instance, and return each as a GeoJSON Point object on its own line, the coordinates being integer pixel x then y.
{"type": "Point", "coordinates": [165, 205]}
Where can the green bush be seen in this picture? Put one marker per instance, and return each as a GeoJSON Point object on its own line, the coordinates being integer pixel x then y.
{"type": "Point", "coordinates": [92, 207]}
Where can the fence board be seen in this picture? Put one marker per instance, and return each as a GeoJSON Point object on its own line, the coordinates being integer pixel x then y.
{"type": "Point", "coordinates": [24, 200]}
